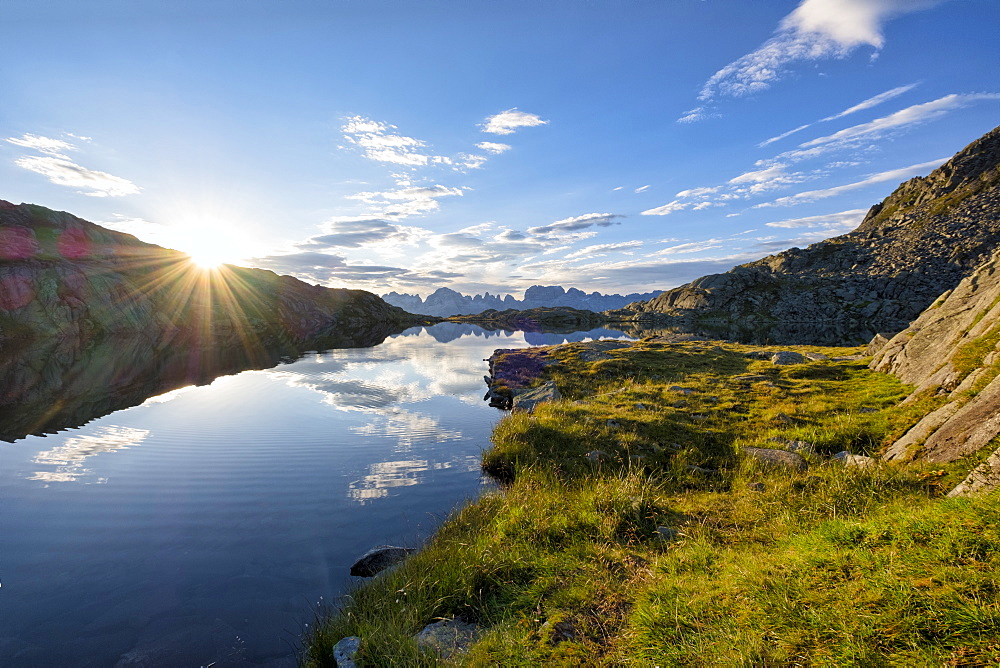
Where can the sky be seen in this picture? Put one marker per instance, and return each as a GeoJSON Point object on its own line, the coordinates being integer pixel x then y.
{"type": "Point", "coordinates": [486, 145]}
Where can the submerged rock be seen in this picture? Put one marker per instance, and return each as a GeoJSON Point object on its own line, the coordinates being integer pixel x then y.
{"type": "Point", "coordinates": [378, 559]}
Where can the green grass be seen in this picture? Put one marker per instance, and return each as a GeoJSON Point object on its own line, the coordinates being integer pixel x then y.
{"type": "Point", "coordinates": [566, 565]}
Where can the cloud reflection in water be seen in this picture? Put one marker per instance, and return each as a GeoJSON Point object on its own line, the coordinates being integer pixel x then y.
{"type": "Point", "coordinates": [69, 458]}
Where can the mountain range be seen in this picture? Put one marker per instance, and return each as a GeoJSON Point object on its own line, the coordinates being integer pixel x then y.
{"type": "Point", "coordinates": [445, 302]}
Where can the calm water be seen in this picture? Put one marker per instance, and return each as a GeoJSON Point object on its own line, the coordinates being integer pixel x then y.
{"type": "Point", "coordinates": [207, 523]}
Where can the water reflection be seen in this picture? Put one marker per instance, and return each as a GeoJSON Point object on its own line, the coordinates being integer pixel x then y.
{"type": "Point", "coordinates": [228, 504]}
{"type": "Point", "coordinates": [68, 459]}
{"type": "Point", "coordinates": [55, 384]}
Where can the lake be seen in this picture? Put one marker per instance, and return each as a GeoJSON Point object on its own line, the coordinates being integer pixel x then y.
{"type": "Point", "coordinates": [206, 519]}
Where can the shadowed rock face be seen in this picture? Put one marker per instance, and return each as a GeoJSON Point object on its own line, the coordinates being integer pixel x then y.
{"type": "Point", "coordinates": [920, 241]}
{"type": "Point", "coordinates": [63, 276]}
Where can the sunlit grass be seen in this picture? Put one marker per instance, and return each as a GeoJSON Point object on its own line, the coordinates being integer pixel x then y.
{"type": "Point", "coordinates": [671, 549]}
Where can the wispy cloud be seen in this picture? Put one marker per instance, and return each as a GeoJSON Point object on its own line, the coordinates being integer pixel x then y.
{"type": "Point", "coordinates": [47, 145]}
{"type": "Point", "coordinates": [594, 250]}
{"type": "Point", "coordinates": [61, 170]}
{"type": "Point", "coordinates": [891, 175]}
{"type": "Point", "coordinates": [493, 147]}
{"type": "Point", "coordinates": [815, 30]}
{"type": "Point", "coordinates": [873, 101]}
{"type": "Point", "coordinates": [349, 232]}
{"type": "Point", "coordinates": [692, 247]}
{"type": "Point", "coordinates": [641, 189]}
{"type": "Point", "coordinates": [64, 172]}
{"type": "Point", "coordinates": [508, 122]}
{"type": "Point", "coordinates": [783, 135]}
{"type": "Point", "coordinates": [917, 113]}
{"type": "Point", "coordinates": [667, 209]}
{"type": "Point", "coordinates": [769, 178]}
{"type": "Point", "coordinates": [382, 143]}
{"type": "Point", "coordinates": [578, 223]}
{"type": "Point", "coordinates": [844, 221]}
{"type": "Point", "coordinates": [405, 202]}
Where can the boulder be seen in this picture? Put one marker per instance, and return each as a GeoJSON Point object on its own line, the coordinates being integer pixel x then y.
{"type": "Point", "coordinates": [771, 458]}
{"type": "Point", "coordinates": [526, 400]}
{"type": "Point", "coordinates": [984, 478]}
{"type": "Point", "coordinates": [344, 651]}
{"type": "Point", "coordinates": [377, 559]}
{"type": "Point", "coordinates": [847, 459]}
{"type": "Point", "coordinates": [448, 637]}
{"type": "Point", "coordinates": [597, 456]}
{"type": "Point", "coordinates": [787, 357]}
{"type": "Point", "coordinates": [802, 447]}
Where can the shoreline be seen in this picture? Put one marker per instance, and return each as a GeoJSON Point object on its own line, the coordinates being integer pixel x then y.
{"type": "Point", "coordinates": [646, 477]}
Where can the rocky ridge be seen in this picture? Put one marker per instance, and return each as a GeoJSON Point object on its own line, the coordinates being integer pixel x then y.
{"type": "Point", "coordinates": [920, 241]}
{"type": "Point", "coordinates": [64, 276]}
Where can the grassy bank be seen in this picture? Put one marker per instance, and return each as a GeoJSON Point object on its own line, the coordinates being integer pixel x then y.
{"type": "Point", "coordinates": [631, 531]}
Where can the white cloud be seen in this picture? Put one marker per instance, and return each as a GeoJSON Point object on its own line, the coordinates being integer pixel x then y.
{"type": "Point", "coordinates": [493, 147]}
{"type": "Point", "coordinates": [641, 189]}
{"type": "Point", "coordinates": [64, 172]}
{"type": "Point", "coordinates": [815, 30]}
{"type": "Point", "coordinates": [891, 175]}
{"type": "Point", "coordinates": [507, 122]}
{"type": "Point", "coordinates": [844, 219]}
{"type": "Point", "coordinates": [382, 144]}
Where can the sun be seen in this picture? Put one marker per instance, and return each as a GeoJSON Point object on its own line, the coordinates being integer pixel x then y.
{"type": "Point", "coordinates": [207, 259]}
{"type": "Point", "coordinates": [212, 244]}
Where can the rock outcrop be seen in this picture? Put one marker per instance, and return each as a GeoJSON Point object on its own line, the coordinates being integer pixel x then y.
{"type": "Point", "coordinates": [920, 241]}
{"type": "Point", "coordinates": [951, 351]}
{"type": "Point", "coordinates": [64, 276]}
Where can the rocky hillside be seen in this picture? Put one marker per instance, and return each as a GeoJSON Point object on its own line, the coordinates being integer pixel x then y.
{"type": "Point", "coordinates": [950, 354]}
{"type": "Point", "coordinates": [63, 276]}
{"type": "Point", "coordinates": [445, 302]}
{"type": "Point", "coordinates": [920, 241]}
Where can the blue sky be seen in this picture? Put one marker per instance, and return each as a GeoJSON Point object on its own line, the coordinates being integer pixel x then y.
{"type": "Point", "coordinates": [487, 145]}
